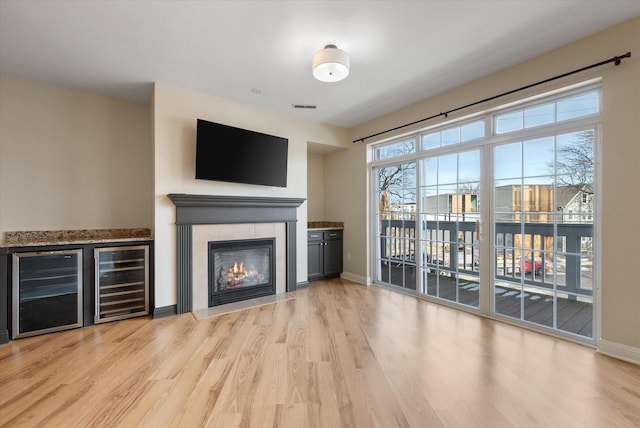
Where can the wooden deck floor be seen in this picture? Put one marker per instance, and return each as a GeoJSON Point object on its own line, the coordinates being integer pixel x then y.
{"type": "Point", "coordinates": [338, 355]}
{"type": "Point", "coordinates": [573, 316]}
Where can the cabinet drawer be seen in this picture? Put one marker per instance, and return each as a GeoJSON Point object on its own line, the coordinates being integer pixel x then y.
{"type": "Point", "coordinates": [332, 234]}
{"type": "Point", "coordinates": [314, 235]}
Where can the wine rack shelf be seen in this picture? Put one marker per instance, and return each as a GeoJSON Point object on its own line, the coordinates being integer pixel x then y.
{"type": "Point", "coordinates": [122, 282]}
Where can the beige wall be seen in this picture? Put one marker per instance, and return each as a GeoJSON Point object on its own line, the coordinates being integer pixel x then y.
{"type": "Point", "coordinates": [619, 167]}
{"type": "Point", "coordinates": [72, 160]}
{"type": "Point", "coordinates": [175, 112]}
{"type": "Point", "coordinates": [315, 187]}
{"type": "Point", "coordinates": [346, 188]}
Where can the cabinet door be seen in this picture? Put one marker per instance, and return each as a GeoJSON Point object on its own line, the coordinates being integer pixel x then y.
{"type": "Point", "coordinates": [315, 260]}
{"type": "Point", "coordinates": [332, 258]}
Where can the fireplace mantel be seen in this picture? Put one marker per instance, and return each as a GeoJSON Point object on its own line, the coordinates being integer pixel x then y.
{"type": "Point", "coordinates": [205, 209]}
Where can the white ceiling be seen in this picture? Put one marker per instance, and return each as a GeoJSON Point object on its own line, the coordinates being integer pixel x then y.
{"type": "Point", "coordinates": [401, 51]}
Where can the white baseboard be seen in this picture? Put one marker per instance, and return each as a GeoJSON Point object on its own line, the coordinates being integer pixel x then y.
{"type": "Point", "coordinates": [355, 278]}
{"type": "Point", "coordinates": [619, 351]}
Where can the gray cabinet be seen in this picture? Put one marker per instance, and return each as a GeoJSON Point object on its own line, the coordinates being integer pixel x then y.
{"type": "Point", "coordinates": [324, 249]}
{"type": "Point", "coordinates": [46, 288]}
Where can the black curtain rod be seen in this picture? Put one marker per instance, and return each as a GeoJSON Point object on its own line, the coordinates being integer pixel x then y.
{"type": "Point", "coordinates": [616, 59]}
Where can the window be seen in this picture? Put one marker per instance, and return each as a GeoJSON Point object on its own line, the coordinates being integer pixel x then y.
{"type": "Point", "coordinates": [585, 198]}
{"type": "Point", "coordinates": [455, 135]}
{"type": "Point", "coordinates": [396, 149]}
{"type": "Point", "coordinates": [564, 109]}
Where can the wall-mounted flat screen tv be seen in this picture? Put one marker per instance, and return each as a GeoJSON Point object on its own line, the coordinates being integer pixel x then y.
{"type": "Point", "coordinates": [227, 153]}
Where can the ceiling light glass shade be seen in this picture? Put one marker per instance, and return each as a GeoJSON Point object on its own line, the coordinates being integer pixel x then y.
{"type": "Point", "coordinates": [330, 64]}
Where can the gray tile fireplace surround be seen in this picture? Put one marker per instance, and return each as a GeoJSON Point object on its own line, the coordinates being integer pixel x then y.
{"type": "Point", "coordinates": [204, 209]}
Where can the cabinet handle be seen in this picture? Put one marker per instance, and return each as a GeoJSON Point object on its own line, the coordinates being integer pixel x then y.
{"type": "Point", "coordinates": [333, 234]}
{"type": "Point", "coordinates": [96, 272]}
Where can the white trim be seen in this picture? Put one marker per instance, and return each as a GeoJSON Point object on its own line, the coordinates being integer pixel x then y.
{"type": "Point", "coordinates": [597, 234]}
{"type": "Point", "coordinates": [356, 278]}
{"type": "Point", "coordinates": [619, 351]}
{"type": "Point", "coordinates": [549, 331]}
{"type": "Point", "coordinates": [448, 303]}
{"type": "Point", "coordinates": [372, 219]}
{"type": "Point", "coordinates": [487, 232]}
{"type": "Point", "coordinates": [369, 217]}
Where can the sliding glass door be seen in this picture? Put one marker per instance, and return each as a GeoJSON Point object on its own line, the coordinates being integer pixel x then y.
{"type": "Point", "coordinates": [496, 214]}
{"type": "Point", "coordinates": [543, 211]}
{"type": "Point", "coordinates": [395, 214]}
{"type": "Point", "coordinates": [449, 218]}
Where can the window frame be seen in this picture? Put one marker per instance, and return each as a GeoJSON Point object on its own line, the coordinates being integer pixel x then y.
{"type": "Point", "coordinates": [486, 143]}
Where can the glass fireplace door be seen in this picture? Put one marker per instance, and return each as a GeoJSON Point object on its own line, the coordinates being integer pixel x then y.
{"type": "Point", "coordinates": [240, 270]}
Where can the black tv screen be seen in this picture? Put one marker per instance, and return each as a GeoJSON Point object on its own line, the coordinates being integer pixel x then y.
{"type": "Point", "coordinates": [226, 153]}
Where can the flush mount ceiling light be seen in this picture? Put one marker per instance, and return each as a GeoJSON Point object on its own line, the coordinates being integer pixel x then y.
{"type": "Point", "coordinates": [330, 64]}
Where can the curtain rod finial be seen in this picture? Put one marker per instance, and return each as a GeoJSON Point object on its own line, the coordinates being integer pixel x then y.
{"type": "Point", "coordinates": [618, 59]}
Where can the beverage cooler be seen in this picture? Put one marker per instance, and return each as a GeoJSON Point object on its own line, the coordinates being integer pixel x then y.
{"type": "Point", "coordinates": [122, 282]}
{"type": "Point", "coordinates": [47, 292]}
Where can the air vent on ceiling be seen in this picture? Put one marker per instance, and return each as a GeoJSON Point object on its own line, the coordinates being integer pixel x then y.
{"type": "Point", "coordinates": [304, 106]}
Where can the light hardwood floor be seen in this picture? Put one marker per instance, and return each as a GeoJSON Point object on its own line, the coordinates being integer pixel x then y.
{"type": "Point", "coordinates": [340, 354]}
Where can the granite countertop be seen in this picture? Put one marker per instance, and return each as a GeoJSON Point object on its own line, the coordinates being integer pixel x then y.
{"type": "Point", "coordinates": [81, 236]}
{"type": "Point", "coordinates": [324, 225]}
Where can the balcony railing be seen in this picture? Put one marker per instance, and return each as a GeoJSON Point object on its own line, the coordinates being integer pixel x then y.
{"type": "Point", "coordinates": [446, 253]}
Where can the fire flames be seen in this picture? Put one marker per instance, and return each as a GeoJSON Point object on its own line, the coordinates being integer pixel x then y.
{"type": "Point", "coordinates": [239, 275]}
{"type": "Point", "coordinates": [239, 270]}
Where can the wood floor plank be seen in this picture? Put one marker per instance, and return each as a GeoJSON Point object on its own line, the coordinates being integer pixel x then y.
{"type": "Point", "coordinates": [338, 355]}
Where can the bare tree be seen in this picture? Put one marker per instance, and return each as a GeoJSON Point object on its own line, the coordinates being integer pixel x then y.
{"type": "Point", "coordinates": [468, 187]}
{"type": "Point", "coordinates": [391, 178]}
{"type": "Point", "coordinates": [574, 163]}
{"type": "Point", "coordinates": [391, 183]}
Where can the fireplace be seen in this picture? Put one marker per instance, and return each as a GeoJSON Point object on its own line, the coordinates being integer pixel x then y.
{"type": "Point", "coordinates": [240, 270]}
{"type": "Point", "coordinates": [222, 217]}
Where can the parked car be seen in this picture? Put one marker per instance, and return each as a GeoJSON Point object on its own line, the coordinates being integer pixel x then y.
{"type": "Point", "coordinates": [537, 266]}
